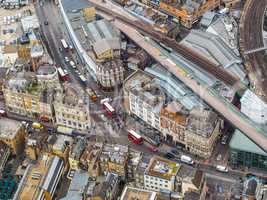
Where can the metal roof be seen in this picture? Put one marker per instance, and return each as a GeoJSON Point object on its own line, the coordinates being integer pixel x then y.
{"type": "Point", "coordinates": [70, 5]}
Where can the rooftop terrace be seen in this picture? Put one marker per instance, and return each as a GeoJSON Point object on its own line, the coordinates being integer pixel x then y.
{"type": "Point", "coordinates": [162, 168]}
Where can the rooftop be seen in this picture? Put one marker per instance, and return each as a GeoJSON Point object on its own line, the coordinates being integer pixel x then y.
{"type": "Point", "coordinates": [39, 177]}
{"type": "Point", "coordinates": [213, 47]}
{"type": "Point", "coordinates": [9, 128]}
{"type": "Point", "coordinates": [241, 142]}
{"type": "Point", "coordinates": [191, 175]}
{"type": "Point", "coordinates": [162, 168]}
{"type": "Point", "coordinates": [115, 152]}
{"type": "Point", "coordinates": [71, 97]}
{"type": "Point", "coordinates": [175, 88]}
{"type": "Point", "coordinates": [46, 69]}
{"type": "Point", "coordinates": [59, 141]}
{"type": "Point", "coordinates": [77, 186]}
{"type": "Point", "coordinates": [36, 137]}
{"type": "Point", "coordinates": [130, 193]}
{"type": "Point", "coordinates": [141, 84]}
{"type": "Point", "coordinates": [202, 121]}
{"type": "Point", "coordinates": [77, 148]}
{"type": "Point", "coordinates": [253, 107]}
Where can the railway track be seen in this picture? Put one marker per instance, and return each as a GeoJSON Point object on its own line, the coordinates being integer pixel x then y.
{"type": "Point", "coordinates": [251, 38]}
{"type": "Point", "coordinates": [216, 70]}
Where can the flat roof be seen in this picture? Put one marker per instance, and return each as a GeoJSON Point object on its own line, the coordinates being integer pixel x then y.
{"type": "Point", "coordinates": [70, 5]}
{"type": "Point", "coordinates": [9, 128]}
{"type": "Point", "coordinates": [130, 193]}
{"type": "Point", "coordinates": [241, 142]}
{"type": "Point", "coordinates": [162, 168]}
{"type": "Point", "coordinates": [77, 186]}
{"type": "Point", "coordinates": [31, 188]}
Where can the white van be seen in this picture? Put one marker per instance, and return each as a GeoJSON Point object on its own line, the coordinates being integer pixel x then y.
{"type": "Point", "coordinates": [221, 168]}
{"type": "Point", "coordinates": [187, 160]}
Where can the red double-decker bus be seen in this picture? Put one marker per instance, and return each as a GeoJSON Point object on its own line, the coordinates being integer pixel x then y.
{"type": "Point", "coordinates": [63, 75]}
{"type": "Point", "coordinates": [109, 109]}
{"type": "Point", "coordinates": [135, 137]}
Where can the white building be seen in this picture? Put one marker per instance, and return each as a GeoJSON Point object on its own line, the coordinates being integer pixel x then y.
{"type": "Point", "coordinates": [161, 175]}
{"type": "Point", "coordinates": [253, 107]}
{"type": "Point", "coordinates": [72, 109]}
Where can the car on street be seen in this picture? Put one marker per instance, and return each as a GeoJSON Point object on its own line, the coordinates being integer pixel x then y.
{"type": "Point", "coordinates": [66, 59]}
{"type": "Point", "coordinates": [224, 139]}
{"type": "Point", "coordinates": [169, 155]}
{"type": "Point", "coordinates": [219, 157]}
{"type": "Point", "coordinates": [46, 22]}
{"type": "Point", "coordinates": [175, 151]}
{"type": "Point", "coordinates": [153, 149]}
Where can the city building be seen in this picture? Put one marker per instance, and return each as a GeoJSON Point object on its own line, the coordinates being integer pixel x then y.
{"type": "Point", "coordinates": [192, 181]}
{"type": "Point", "coordinates": [145, 98]}
{"type": "Point", "coordinates": [202, 132]}
{"type": "Point", "coordinates": [133, 160]}
{"type": "Point", "coordinates": [174, 119]}
{"type": "Point", "coordinates": [130, 193]}
{"type": "Point", "coordinates": [35, 142]}
{"type": "Point", "coordinates": [98, 42]}
{"type": "Point", "coordinates": [24, 96]}
{"type": "Point", "coordinates": [161, 175]}
{"type": "Point", "coordinates": [76, 15]}
{"type": "Point", "coordinates": [230, 3]}
{"type": "Point", "coordinates": [76, 152]}
{"type": "Point", "coordinates": [12, 133]}
{"type": "Point", "coordinates": [251, 186]}
{"type": "Point", "coordinates": [108, 189]}
{"type": "Point", "coordinates": [11, 4]}
{"type": "Point", "coordinates": [40, 180]}
{"type": "Point", "coordinates": [244, 152]}
{"type": "Point", "coordinates": [71, 107]}
{"type": "Point", "coordinates": [187, 12]}
{"type": "Point", "coordinates": [89, 159]}
{"type": "Point", "coordinates": [226, 28]}
{"type": "Point", "coordinates": [59, 145]}
{"type": "Point", "coordinates": [78, 186]}
{"type": "Point", "coordinates": [214, 48]}
{"type": "Point", "coordinates": [47, 76]}
{"type": "Point", "coordinates": [253, 107]}
{"type": "Point", "coordinates": [113, 159]}
{"type": "Point", "coordinates": [261, 192]}
{"type": "Point", "coordinates": [110, 73]}
{"type": "Point", "coordinates": [138, 172]}
{"type": "Point", "coordinates": [5, 152]}
{"type": "Point", "coordinates": [105, 39]}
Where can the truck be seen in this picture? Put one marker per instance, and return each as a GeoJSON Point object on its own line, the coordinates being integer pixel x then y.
{"type": "Point", "coordinates": [187, 160]}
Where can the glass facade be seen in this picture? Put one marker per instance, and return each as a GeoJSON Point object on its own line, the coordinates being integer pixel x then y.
{"type": "Point", "coordinates": [248, 159]}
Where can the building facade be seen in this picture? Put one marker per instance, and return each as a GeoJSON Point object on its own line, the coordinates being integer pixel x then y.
{"type": "Point", "coordinates": [174, 119]}
{"type": "Point", "coordinates": [202, 132]}
{"type": "Point", "coordinates": [110, 74]}
{"type": "Point", "coordinates": [12, 133]}
{"type": "Point", "coordinates": [72, 109]}
{"type": "Point", "coordinates": [24, 96]}
{"type": "Point", "coordinates": [5, 153]}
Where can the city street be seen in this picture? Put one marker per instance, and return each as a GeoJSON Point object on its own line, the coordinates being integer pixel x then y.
{"type": "Point", "coordinates": [103, 127]}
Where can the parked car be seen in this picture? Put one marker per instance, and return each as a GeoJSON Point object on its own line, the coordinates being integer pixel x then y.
{"type": "Point", "coordinates": [67, 59]}
{"type": "Point", "coordinates": [169, 155]}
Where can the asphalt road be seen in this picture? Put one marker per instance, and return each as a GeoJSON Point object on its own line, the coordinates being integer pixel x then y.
{"type": "Point", "coordinates": [102, 128]}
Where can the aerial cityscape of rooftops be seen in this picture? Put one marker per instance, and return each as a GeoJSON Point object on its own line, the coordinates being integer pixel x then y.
{"type": "Point", "coordinates": [133, 99]}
